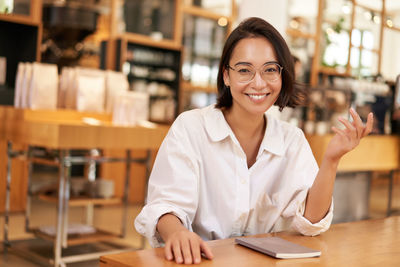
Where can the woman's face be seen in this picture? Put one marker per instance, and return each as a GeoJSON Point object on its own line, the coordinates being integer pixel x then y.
{"type": "Point", "coordinates": [257, 95]}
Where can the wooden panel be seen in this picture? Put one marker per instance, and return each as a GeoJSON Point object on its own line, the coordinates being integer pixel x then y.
{"type": "Point", "coordinates": [188, 87]}
{"type": "Point", "coordinates": [116, 172]}
{"type": "Point", "coordinates": [20, 19]}
{"type": "Point", "coordinates": [79, 136]}
{"type": "Point", "coordinates": [3, 168]}
{"type": "Point", "coordinates": [375, 153]}
{"type": "Point", "coordinates": [62, 115]}
{"type": "Point", "coordinates": [201, 12]}
{"type": "Point", "coordinates": [146, 40]}
{"type": "Point", "coordinates": [18, 183]}
{"type": "Point", "coordinates": [83, 201]}
{"type": "Point", "coordinates": [345, 244]}
{"type": "Point", "coordinates": [316, 58]}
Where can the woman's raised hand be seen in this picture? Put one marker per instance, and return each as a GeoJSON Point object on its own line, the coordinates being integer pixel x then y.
{"type": "Point", "coordinates": [348, 138]}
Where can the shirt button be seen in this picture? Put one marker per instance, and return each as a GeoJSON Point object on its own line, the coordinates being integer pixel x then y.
{"type": "Point", "coordinates": [243, 181]}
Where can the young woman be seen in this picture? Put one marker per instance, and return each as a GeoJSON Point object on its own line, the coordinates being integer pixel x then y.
{"type": "Point", "coordinates": [230, 170]}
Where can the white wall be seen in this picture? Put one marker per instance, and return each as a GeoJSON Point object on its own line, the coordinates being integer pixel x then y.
{"type": "Point", "coordinates": [273, 11]}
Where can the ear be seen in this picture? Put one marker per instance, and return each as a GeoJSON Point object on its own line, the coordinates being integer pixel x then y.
{"type": "Point", "coordinates": [226, 77]}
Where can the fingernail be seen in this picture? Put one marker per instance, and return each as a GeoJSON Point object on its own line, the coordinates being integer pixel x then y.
{"type": "Point", "coordinates": [179, 260]}
{"type": "Point", "coordinates": [197, 260]}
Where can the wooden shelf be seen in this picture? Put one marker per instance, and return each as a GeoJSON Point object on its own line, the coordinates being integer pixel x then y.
{"type": "Point", "coordinates": [188, 87]}
{"type": "Point", "coordinates": [21, 19]}
{"type": "Point", "coordinates": [332, 71]}
{"type": "Point", "coordinates": [300, 34]}
{"type": "Point", "coordinates": [78, 239]}
{"type": "Point", "coordinates": [201, 12]}
{"type": "Point", "coordinates": [146, 40]}
{"type": "Point", "coordinates": [44, 161]}
{"type": "Point", "coordinates": [83, 201]}
{"type": "Point", "coordinates": [395, 28]}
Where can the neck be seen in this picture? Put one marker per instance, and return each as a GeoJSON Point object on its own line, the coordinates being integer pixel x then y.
{"type": "Point", "coordinates": [244, 124]}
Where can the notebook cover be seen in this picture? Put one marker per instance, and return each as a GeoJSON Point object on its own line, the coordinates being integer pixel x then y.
{"type": "Point", "coordinates": [277, 247]}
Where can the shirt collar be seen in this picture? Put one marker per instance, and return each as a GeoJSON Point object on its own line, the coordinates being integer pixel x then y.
{"type": "Point", "coordinates": [273, 140]}
{"type": "Point", "coordinates": [218, 129]}
{"type": "Point", "coordinates": [215, 124]}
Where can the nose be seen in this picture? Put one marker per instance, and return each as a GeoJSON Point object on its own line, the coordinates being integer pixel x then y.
{"type": "Point", "coordinates": [258, 81]}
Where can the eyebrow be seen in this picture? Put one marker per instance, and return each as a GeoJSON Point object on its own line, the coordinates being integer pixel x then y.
{"type": "Point", "coordinates": [248, 63]}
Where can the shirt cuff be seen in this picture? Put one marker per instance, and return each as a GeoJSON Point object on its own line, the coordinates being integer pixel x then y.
{"type": "Point", "coordinates": [146, 222]}
{"type": "Point", "coordinates": [305, 227]}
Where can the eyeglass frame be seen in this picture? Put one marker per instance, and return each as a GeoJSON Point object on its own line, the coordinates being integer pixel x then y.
{"type": "Point", "coordinates": [254, 75]}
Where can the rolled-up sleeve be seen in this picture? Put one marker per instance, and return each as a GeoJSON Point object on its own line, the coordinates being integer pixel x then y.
{"type": "Point", "coordinates": [173, 184]}
{"type": "Point", "coordinates": [305, 227]}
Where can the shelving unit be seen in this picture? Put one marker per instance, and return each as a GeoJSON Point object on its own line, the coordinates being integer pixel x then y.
{"type": "Point", "coordinates": [122, 31]}
{"type": "Point", "coordinates": [147, 65]}
{"type": "Point", "coordinates": [61, 239]}
{"type": "Point", "coordinates": [55, 131]}
{"type": "Point", "coordinates": [22, 45]}
{"type": "Point", "coordinates": [355, 11]}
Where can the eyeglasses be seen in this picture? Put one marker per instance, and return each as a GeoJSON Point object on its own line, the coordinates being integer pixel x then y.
{"type": "Point", "coordinates": [269, 72]}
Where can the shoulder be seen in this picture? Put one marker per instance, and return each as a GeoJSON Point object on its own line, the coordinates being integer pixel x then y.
{"type": "Point", "coordinates": [193, 120]}
{"type": "Point", "coordinates": [289, 132]}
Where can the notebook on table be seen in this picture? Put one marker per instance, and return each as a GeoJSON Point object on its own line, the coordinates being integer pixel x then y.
{"type": "Point", "coordinates": [277, 247]}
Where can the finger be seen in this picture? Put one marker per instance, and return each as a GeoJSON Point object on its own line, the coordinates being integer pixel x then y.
{"type": "Point", "coordinates": [195, 248]}
{"type": "Point", "coordinates": [349, 126]}
{"type": "Point", "coordinates": [370, 123]}
{"type": "Point", "coordinates": [357, 122]}
{"type": "Point", "coordinates": [338, 131]}
{"type": "Point", "coordinates": [206, 250]}
{"type": "Point", "coordinates": [168, 252]}
{"type": "Point", "coordinates": [186, 251]}
{"type": "Point", "coordinates": [176, 248]}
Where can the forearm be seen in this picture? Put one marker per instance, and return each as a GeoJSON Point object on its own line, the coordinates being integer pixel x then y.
{"type": "Point", "coordinates": [320, 194]}
{"type": "Point", "coordinates": [168, 224]}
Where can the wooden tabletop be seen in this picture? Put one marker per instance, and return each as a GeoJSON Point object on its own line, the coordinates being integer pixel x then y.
{"type": "Point", "coordinates": [362, 243]}
{"type": "Point", "coordinates": [67, 129]}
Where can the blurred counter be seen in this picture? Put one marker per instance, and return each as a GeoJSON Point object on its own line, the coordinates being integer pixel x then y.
{"type": "Point", "coordinates": [374, 153]}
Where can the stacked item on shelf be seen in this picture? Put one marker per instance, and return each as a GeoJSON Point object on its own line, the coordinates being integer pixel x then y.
{"type": "Point", "coordinates": [90, 90]}
{"type": "Point", "coordinates": [130, 108]}
{"type": "Point", "coordinates": [36, 86]}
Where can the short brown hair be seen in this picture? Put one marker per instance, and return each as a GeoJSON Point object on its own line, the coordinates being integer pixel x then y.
{"type": "Point", "coordinates": [290, 95]}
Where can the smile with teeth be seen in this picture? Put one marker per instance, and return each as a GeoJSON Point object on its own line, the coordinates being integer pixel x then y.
{"type": "Point", "coordinates": [257, 96]}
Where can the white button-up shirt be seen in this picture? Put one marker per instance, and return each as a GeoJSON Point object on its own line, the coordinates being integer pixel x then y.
{"type": "Point", "coordinates": [201, 176]}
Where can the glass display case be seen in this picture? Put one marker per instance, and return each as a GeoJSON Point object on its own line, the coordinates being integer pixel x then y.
{"type": "Point", "coordinates": [152, 18]}
{"type": "Point", "coordinates": [203, 40]}
{"type": "Point", "coordinates": [21, 11]}
{"type": "Point", "coordinates": [335, 37]}
{"type": "Point", "coordinates": [20, 7]}
{"type": "Point", "coordinates": [154, 71]}
{"type": "Point", "coordinates": [301, 33]}
{"type": "Point", "coordinates": [20, 22]}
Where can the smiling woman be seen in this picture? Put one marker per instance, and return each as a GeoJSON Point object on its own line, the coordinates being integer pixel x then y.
{"type": "Point", "coordinates": [231, 170]}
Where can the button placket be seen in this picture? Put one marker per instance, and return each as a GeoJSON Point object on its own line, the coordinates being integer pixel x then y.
{"type": "Point", "coordinates": [243, 195]}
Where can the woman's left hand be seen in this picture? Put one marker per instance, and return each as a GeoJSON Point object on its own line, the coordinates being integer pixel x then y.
{"type": "Point", "coordinates": [348, 138]}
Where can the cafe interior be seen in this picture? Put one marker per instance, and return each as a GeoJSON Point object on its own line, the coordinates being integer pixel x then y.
{"type": "Point", "coordinates": [88, 90]}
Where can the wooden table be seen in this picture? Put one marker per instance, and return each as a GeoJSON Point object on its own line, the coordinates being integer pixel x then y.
{"type": "Point", "coordinates": [64, 131]}
{"type": "Point", "coordinates": [362, 243]}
